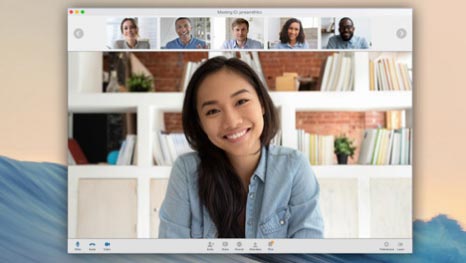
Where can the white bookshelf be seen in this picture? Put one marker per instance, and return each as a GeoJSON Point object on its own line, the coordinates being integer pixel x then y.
{"type": "Point", "coordinates": [85, 97]}
{"type": "Point", "coordinates": [301, 101]}
{"type": "Point", "coordinates": [321, 171]}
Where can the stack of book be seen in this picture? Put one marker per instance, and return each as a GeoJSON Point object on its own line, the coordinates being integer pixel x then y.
{"type": "Point", "coordinates": [387, 147]}
{"type": "Point", "coordinates": [387, 74]}
{"type": "Point", "coordinates": [167, 147]}
{"type": "Point", "coordinates": [317, 148]}
{"type": "Point", "coordinates": [338, 74]}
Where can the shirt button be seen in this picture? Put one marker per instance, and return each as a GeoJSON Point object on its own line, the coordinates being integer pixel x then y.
{"type": "Point", "coordinates": [250, 221]}
{"type": "Point", "coordinates": [282, 222]}
{"type": "Point", "coordinates": [251, 195]}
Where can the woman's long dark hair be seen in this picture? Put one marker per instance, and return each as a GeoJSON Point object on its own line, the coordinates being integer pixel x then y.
{"type": "Point", "coordinates": [220, 188]}
{"type": "Point", "coordinates": [284, 32]}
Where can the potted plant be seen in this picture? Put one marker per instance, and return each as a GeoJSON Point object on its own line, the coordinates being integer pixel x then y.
{"type": "Point", "coordinates": [343, 147]}
{"type": "Point", "coordinates": [139, 83]}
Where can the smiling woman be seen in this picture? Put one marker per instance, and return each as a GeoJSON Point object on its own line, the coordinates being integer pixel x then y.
{"type": "Point", "coordinates": [130, 31]}
{"type": "Point", "coordinates": [236, 184]}
{"type": "Point", "coordinates": [292, 35]}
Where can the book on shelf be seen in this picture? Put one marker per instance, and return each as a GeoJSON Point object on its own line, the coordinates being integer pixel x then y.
{"type": "Point", "coordinates": [372, 82]}
{"type": "Point", "coordinates": [338, 73]}
{"type": "Point", "coordinates": [396, 150]}
{"type": "Point", "coordinates": [127, 149]}
{"type": "Point", "coordinates": [395, 119]}
{"type": "Point", "coordinates": [386, 147]}
{"type": "Point", "coordinates": [324, 75]}
{"type": "Point", "coordinates": [367, 146]}
{"type": "Point", "coordinates": [317, 148]}
{"type": "Point", "coordinates": [375, 152]}
{"type": "Point", "coordinates": [168, 146]}
{"type": "Point", "coordinates": [252, 59]}
{"type": "Point", "coordinates": [189, 68]}
{"type": "Point", "coordinates": [77, 154]}
{"type": "Point", "coordinates": [386, 74]}
{"type": "Point", "coordinates": [157, 150]}
{"type": "Point", "coordinates": [383, 147]}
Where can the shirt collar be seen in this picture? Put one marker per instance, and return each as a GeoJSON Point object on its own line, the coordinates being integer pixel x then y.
{"type": "Point", "coordinates": [298, 44]}
{"type": "Point", "coordinates": [189, 43]}
{"type": "Point", "coordinates": [235, 44]}
{"type": "Point", "coordinates": [127, 46]}
{"type": "Point", "coordinates": [351, 41]}
{"type": "Point", "coordinates": [262, 166]}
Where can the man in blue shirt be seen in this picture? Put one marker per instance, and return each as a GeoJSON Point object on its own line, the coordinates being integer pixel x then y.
{"type": "Point", "coordinates": [240, 29]}
{"type": "Point", "coordinates": [185, 40]}
{"type": "Point", "coordinates": [347, 39]}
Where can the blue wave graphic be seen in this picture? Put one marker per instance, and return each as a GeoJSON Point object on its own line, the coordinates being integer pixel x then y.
{"type": "Point", "coordinates": [33, 220]}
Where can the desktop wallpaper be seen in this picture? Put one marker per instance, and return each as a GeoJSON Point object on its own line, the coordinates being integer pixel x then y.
{"type": "Point", "coordinates": [33, 114]}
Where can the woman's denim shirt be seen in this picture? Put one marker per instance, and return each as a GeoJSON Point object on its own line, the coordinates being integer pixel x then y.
{"type": "Point", "coordinates": [283, 199]}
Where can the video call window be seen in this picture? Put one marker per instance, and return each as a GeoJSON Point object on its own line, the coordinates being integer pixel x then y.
{"type": "Point", "coordinates": [280, 32]}
{"type": "Point", "coordinates": [346, 33]}
{"type": "Point", "coordinates": [240, 130]}
{"type": "Point", "coordinates": [185, 32]}
{"type": "Point", "coordinates": [238, 33]}
{"type": "Point", "coordinates": [132, 32]}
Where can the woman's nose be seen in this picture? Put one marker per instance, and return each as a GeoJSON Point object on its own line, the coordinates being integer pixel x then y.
{"type": "Point", "coordinates": [232, 119]}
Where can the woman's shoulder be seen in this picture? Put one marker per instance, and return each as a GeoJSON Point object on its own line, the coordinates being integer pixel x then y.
{"type": "Point", "coordinates": [143, 44]}
{"type": "Point", "coordinates": [286, 161]}
{"type": "Point", "coordinates": [187, 163]}
{"type": "Point", "coordinates": [119, 44]}
{"type": "Point", "coordinates": [185, 168]}
{"type": "Point", "coordinates": [280, 45]}
{"type": "Point", "coordinates": [188, 160]}
{"type": "Point", "coordinates": [282, 153]}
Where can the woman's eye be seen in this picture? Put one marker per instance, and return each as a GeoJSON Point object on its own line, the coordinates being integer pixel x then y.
{"type": "Point", "coordinates": [242, 101]}
{"type": "Point", "coordinates": [211, 112]}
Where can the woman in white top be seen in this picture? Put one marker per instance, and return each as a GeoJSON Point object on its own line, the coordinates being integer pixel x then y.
{"type": "Point", "coordinates": [130, 31]}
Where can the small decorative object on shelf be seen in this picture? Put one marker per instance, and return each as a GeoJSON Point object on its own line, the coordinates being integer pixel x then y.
{"type": "Point", "coordinates": [343, 147]}
{"type": "Point", "coordinates": [139, 83]}
{"type": "Point", "coordinates": [112, 85]}
{"type": "Point", "coordinates": [112, 157]}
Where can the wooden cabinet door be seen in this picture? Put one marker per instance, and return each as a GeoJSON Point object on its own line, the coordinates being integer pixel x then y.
{"type": "Point", "coordinates": [391, 208]}
{"type": "Point", "coordinates": [158, 188]}
{"type": "Point", "coordinates": [107, 208]}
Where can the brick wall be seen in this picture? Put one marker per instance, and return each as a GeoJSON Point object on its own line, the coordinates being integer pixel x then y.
{"type": "Point", "coordinates": [167, 67]}
{"type": "Point", "coordinates": [352, 124]}
{"type": "Point", "coordinates": [172, 121]}
{"type": "Point", "coordinates": [306, 64]}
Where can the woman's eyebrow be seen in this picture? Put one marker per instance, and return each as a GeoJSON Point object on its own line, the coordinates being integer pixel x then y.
{"type": "Point", "coordinates": [239, 92]}
{"type": "Point", "coordinates": [211, 102]}
{"type": "Point", "coordinates": [207, 103]}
